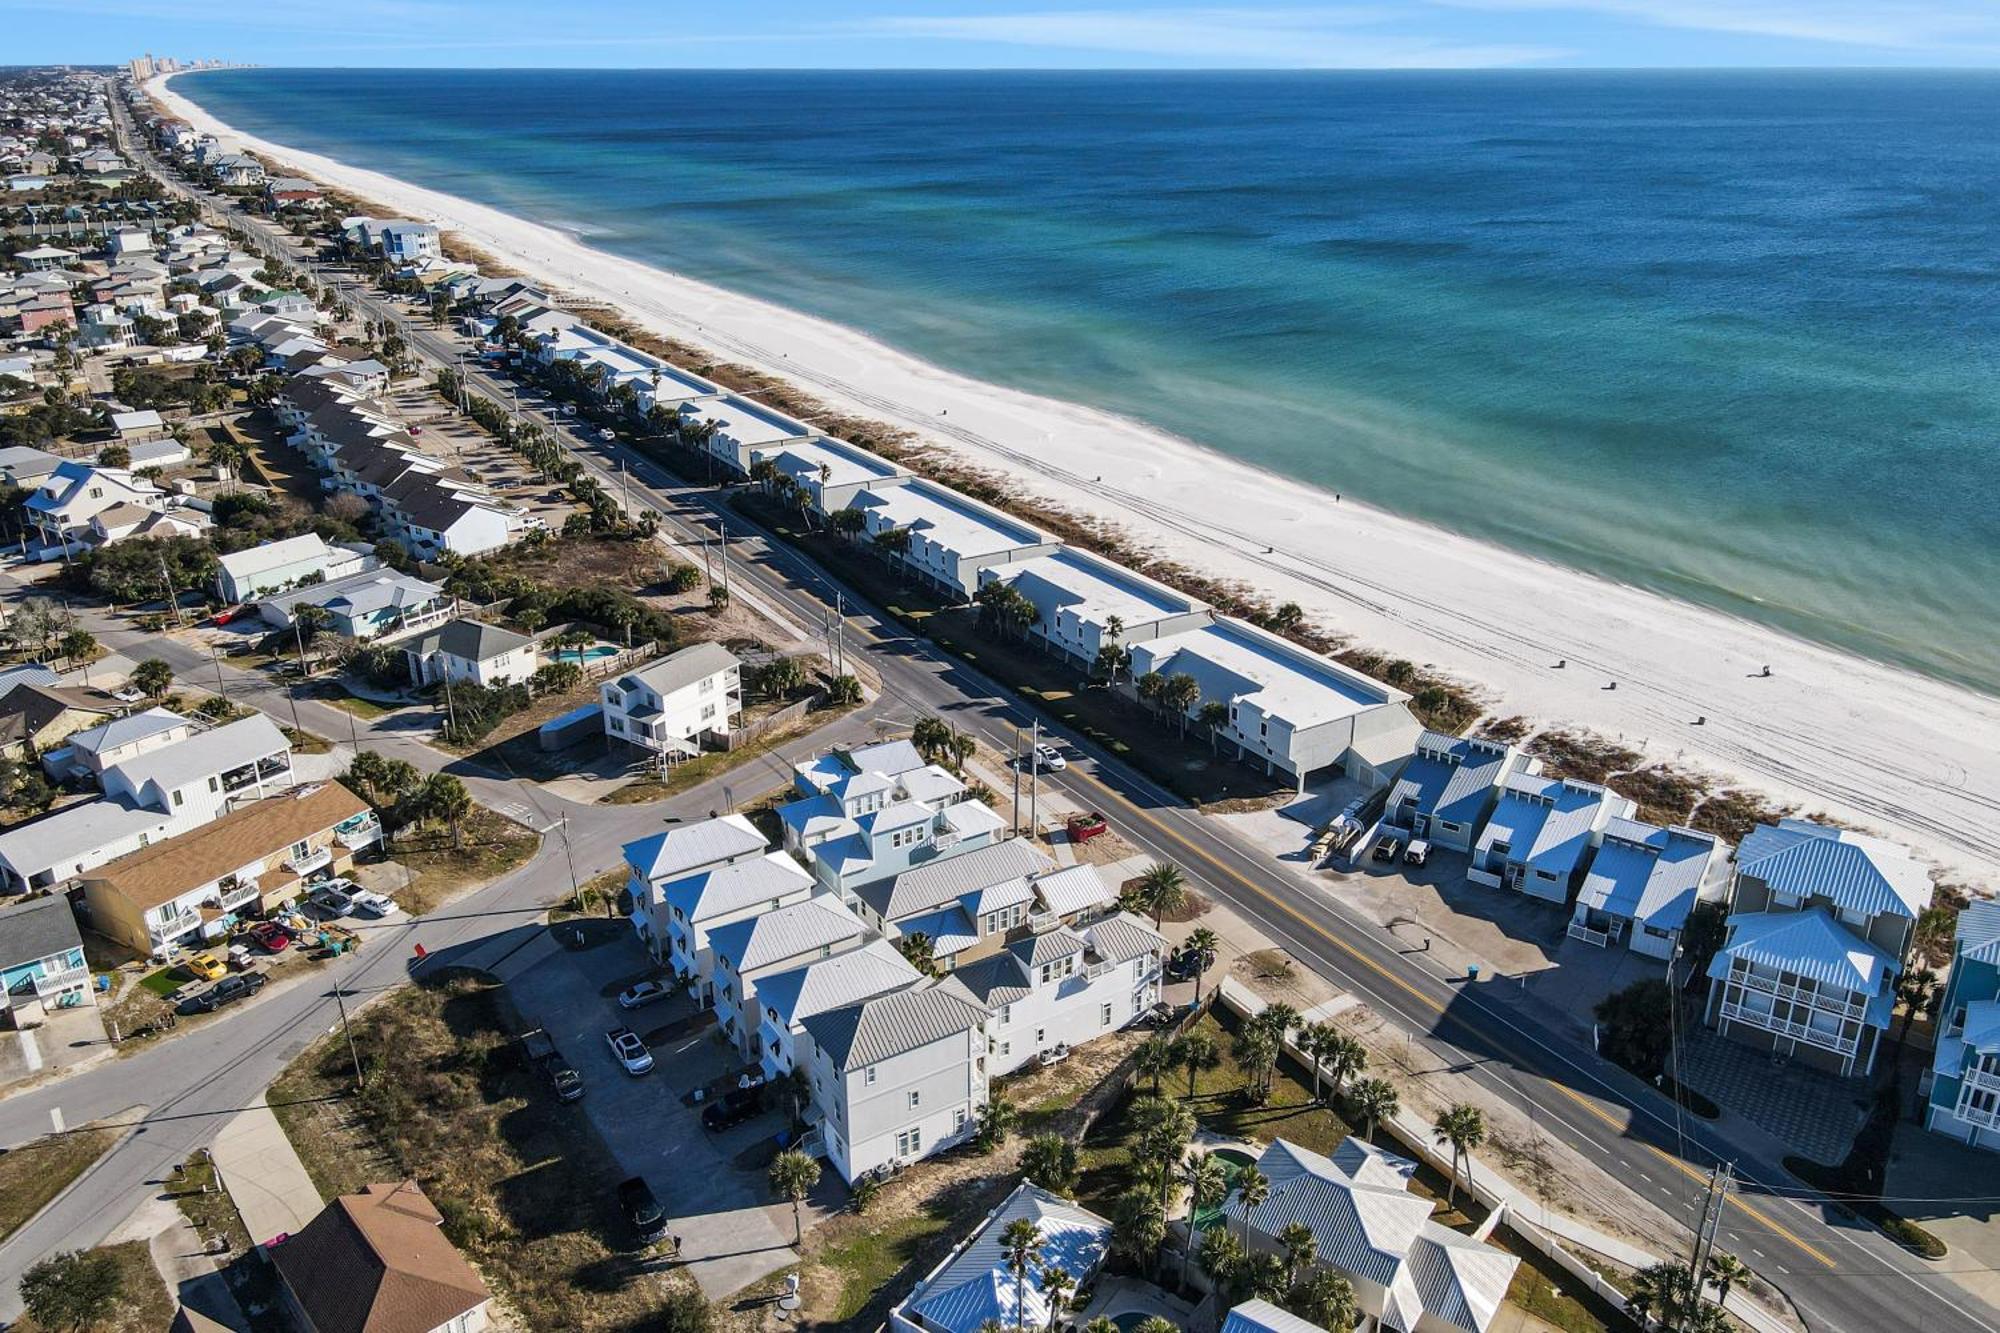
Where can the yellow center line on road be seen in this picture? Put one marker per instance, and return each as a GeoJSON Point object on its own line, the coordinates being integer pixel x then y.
{"type": "Point", "coordinates": [1588, 1104]}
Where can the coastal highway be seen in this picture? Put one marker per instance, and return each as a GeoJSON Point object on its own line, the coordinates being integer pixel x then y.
{"type": "Point", "coordinates": [1840, 1274]}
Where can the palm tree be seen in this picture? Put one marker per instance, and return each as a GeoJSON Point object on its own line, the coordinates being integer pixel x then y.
{"type": "Point", "coordinates": [1101, 1324]}
{"type": "Point", "coordinates": [1057, 1284]}
{"type": "Point", "coordinates": [996, 1120]}
{"type": "Point", "coordinates": [1050, 1161]}
{"type": "Point", "coordinates": [1213, 715]}
{"type": "Point", "coordinates": [1313, 1041]}
{"type": "Point", "coordinates": [1725, 1271]}
{"type": "Point", "coordinates": [1021, 1245]}
{"type": "Point", "coordinates": [1138, 1226]}
{"type": "Point", "coordinates": [1278, 1019]}
{"type": "Point", "coordinates": [154, 677]}
{"type": "Point", "coordinates": [1202, 941]}
{"type": "Point", "coordinates": [1301, 1247]}
{"type": "Point", "coordinates": [1253, 1187]}
{"type": "Point", "coordinates": [1664, 1291]}
{"type": "Point", "coordinates": [1326, 1298]}
{"type": "Point", "coordinates": [1374, 1100]}
{"type": "Point", "coordinates": [1463, 1127]}
{"type": "Point", "coordinates": [1155, 1058]}
{"type": "Point", "coordinates": [1194, 1052]}
{"type": "Point", "coordinates": [1917, 992]}
{"type": "Point", "coordinates": [1181, 693]}
{"type": "Point", "coordinates": [1163, 889]}
{"type": "Point", "coordinates": [445, 797]}
{"type": "Point", "coordinates": [1222, 1257]}
{"type": "Point", "coordinates": [793, 1175]}
{"type": "Point", "coordinates": [1157, 1324]}
{"type": "Point", "coordinates": [1256, 1050]}
{"type": "Point", "coordinates": [1345, 1057]}
{"type": "Point", "coordinates": [1163, 1131]}
{"type": "Point", "coordinates": [1207, 1180]}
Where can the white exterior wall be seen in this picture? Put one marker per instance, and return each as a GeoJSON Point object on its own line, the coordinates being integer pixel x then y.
{"type": "Point", "coordinates": [864, 1118]}
{"type": "Point", "coordinates": [1071, 1011]}
{"type": "Point", "coordinates": [712, 703]}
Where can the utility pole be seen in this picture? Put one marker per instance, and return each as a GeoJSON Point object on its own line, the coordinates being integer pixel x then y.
{"type": "Point", "coordinates": [1721, 1177]}
{"type": "Point", "coordinates": [722, 550]}
{"type": "Point", "coordinates": [347, 1030]}
{"type": "Point", "coordinates": [839, 633]}
{"type": "Point", "coordinates": [1017, 781]}
{"type": "Point", "coordinates": [1034, 776]}
{"type": "Point", "coordinates": [221, 686]}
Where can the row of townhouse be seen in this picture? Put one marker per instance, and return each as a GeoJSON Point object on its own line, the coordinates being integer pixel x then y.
{"type": "Point", "coordinates": [425, 503]}
{"type": "Point", "coordinates": [806, 966]}
{"type": "Point", "coordinates": [1821, 920]}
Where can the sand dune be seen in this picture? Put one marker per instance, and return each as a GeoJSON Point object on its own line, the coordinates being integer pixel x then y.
{"type": "Point", "coordinates": [1879, 747]}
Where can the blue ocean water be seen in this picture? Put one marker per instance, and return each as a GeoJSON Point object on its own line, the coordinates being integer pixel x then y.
{"type": "Point", "coordinates": [1725, 335]}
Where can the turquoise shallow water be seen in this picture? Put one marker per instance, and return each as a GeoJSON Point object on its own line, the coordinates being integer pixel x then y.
{"type": "Point", "coordinates": [1728, 336]}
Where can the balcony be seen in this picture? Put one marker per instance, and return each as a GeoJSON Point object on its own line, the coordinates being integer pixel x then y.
{"type": "Point", "coordinates": [1097, 969]}
{"type": "Point", "coordinates": [1980, 1080]}
{"type": "Point", "coordinates": [1041, 923]}
{"type": "Point", "coordinates": [311, 861]}
{"type": "Point", "coordinates": [48, 983]}
{"type": "Point", "coordinates": [1579, 931]}
{"type": "Point", "coordinates": [1784, 1027]}
{"type": "Point", "coordinates": [1833, 1002]}
{"type": "Point", "coordinates": [245, 892]}
{"type": "Point", "coordinates": [364, 830]}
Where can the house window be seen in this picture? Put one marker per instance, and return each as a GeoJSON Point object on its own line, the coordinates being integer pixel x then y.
{"type": "Point", "coordinates": [1006, 1014]}
{"type": "Point", "coordinates": [909, 1143]}
{"type": "Point", "coordinates": [869, 1077]}
{"type": "Point", "coordinates": [302, 848]}
{"type": "Point", "coordinates": [958, 1120]}
{"type": "Point", "coordinates": [1040, 1035]}
{"type": "Point", "coordinates": [1104, 1016]}
{"type": "Point", "coordinates": [177, 800]}
{"type": "Point", "coordinates": [1448, 826]}
{"type": "Point", "coordinates": [215, 784]}
{"type": "Point", "coordinates": [916, 1099]}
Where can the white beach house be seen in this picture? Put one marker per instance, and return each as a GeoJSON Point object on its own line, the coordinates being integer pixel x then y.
{"type": "Point", "coordinates": [1541, 834]}
{"type": "Point", "coordinates": [1084, 603]}
{"type": "Point", "coordinates": [666, 707]}
{"type": "Point", "coordinates": [1450, 785]}
{"type": "Point", "coordinates": [1643, 882]}
{"type": "Point", "coordinates": [951, 537]}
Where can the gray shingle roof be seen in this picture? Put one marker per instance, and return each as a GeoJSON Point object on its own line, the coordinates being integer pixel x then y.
{"type": "Point", "coordinates": [873, 1030]}
{"type": "Point", "coordinates": [470, 640]}
{"type": "Point", "coordinates": [34, 930]}
{"type": "Point", "coordinates": [679, 670]}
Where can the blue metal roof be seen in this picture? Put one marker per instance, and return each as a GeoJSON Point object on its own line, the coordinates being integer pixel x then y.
{"type": "Point", "coordinates": [1854, 872]}
{"type": "Point", "coordinates": [1648, 874]}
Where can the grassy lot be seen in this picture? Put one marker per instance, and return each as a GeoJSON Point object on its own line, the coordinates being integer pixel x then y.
{"type": "Point", "coordinates": [144, 1304]}
{"type": "Point", "coordinates": [32, 1175]}
{"type": "Point", "coordinates": [1188, 766]}
{"type": "Point", "coordinates": [196, 1192]}
{"type": "Point", "coordinates": [525, 1186]}
{"type": "Point", "coordinates": [491, 845]}
{"type": "Point", "coordinates": [594, 894]}
{"type": "Point", "coordinates": [305, 742]}
{"type": "Point", "coordinates": [332, 693]}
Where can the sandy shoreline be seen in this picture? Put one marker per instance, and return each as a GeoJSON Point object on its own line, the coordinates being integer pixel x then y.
{"type": "Point", "coordinates": [1916, 759]}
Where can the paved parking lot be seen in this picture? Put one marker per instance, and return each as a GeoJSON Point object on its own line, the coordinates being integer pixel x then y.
{"type": "Point", "coordinates": [712, 1186]}
{"type": "Point", "coordinates": [456, 440]}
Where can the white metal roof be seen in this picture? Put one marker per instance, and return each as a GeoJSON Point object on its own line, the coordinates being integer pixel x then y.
{"type": "Point", "coordinates": [963, 526]}
{"type": "Point", "coordinates": [1233, 661]}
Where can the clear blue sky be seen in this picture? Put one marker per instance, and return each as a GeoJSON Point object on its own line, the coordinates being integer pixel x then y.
{"type": "Point", "coordinates": [1011, 33]}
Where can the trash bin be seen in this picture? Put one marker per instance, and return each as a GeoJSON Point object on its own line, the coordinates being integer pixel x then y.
{"type": "Point", "coordinates": [1472, 972]}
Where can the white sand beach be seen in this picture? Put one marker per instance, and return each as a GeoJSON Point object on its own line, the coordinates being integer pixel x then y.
{"type": "Point", "coordinates": [1871, 745]}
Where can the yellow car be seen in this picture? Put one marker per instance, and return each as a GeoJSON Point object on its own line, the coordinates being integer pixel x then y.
{"type": "Point", "coordinates": [207, 966]}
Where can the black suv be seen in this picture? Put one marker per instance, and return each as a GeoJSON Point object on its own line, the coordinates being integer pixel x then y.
{"type": "Point", "coordinates": [642, 1210]}
{"type": "Point", "coordinates": [736, 1106]}
{"type": "Point", "coordinates": [229, 990]}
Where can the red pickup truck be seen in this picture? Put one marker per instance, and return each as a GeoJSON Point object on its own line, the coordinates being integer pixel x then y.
{"type": "Point", "coordinates": [1084, 827]}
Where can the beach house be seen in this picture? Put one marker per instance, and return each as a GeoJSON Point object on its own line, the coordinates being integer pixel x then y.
{"type": "Point", "coordinates": [665, 707]}
{"type": "Point", "coordinates": [1450, 785]}
{"type": "Point", "coordinates": [1407, 1271]}
{"type": "Point", "coordinates": [1084, 603]}
{"type": "Point", "coordinates": [831, 473]}
{"type": "Point", "coordinates": [964, 906]}
{"type": "Point", "coordinates": [943, 538]}
{"type": "Point", "coordinates": [975, 1287]}
{"type": "Point", "coordinates": [863, 823]}
{"type": "Point", "coordinates": [676, 916]}
{"type": "Point", "coordinates": [1059, 986]}
{"type": "Point", "coordinates": [244, 575]}
{"type": "Point", "coordinates": [61, 509]}
{"type": "Point", "coordinates": [1541, 834]}
{"type": "Point", "coordinates": [87, 754]}
{"type": "Point", "coordinates": [739, 429]}
{"type": "Point", "coordinates": [772, 941]}
{"type": "Point", "coordinates": [789, 997]}
{"type": "Point", "coordinates": [374, 604]}
{"type": "Point", "coordinates": [1292, 710]}
{"type": "Point", "coordinates": [378, 1261]}
{"type": "Point", "coordinates": [897, 1077]}
{"type": "Point", "coordinates": [686, 853]}
{"type": "Point", "coordinates": [1963, 1096]}
{"type": "Point", "coordinates": [1821, 920]}
{"type": "Point", "coordinates": [42, 967]}
{"type": "Point", "coordinates": [1643, 882]}
{"type": "Point", "coordinates": [470, 652]}
{"type": "Point", "coordinates": [197, 779]}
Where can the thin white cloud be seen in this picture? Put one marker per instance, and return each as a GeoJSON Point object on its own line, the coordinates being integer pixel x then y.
{"type": "Point", "coordinates": [1313, 37]}
{"type": "Point", "coordinates": [1972, 27]}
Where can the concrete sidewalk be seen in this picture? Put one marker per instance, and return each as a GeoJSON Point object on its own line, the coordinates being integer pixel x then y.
{"type": "Point", "coordinates": [264, 1176]}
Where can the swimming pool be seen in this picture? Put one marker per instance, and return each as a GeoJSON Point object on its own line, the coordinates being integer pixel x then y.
{"type": "Point", "coordinates": [1235, 1161]}
{"type": "Point", "coordinates": [596, 652]}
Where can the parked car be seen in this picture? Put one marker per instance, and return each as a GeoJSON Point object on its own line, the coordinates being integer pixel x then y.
{"type": "Point", "coordinates": [270, 936]}
{"type": "Point", "coordinates": [737, 1105]}
{"type": "Point", "coordinates": [644, 993]}
{"type": "Point", "coordinates": [128, 695]}
{"type": "Point", "coordinates": [648, 1220]}
{"type": "Point", "coordinates": [370, 903]}
{"type": "Point", "coordinates": [1049, 757]}
{"type": "Point", "coordinates": [629, 1051]}
{"type": "Point", "coordinates": [567, 410]}
{"type": "Point", "coordinates": [415, 429]}
{"type": "Point", "coordinates": [543, 1053]}
{"type": "Point", "coordinates": [1387, 846]}
{"type": "Point", "coordinates": [606, 433]}
{"type": "Point", "coordinates": [1085, 826]}
{"type": "Point", "coordinates": [207, 966]}
{"type": "Point", "coordinates": [332, 898]}
{"type": "Point", "coordinates": [225, 615]}
{"type": "Point", "coordinates": [229, 990]}
{"type": "Point", "coordinates": [1188, 963]}
{"type": "Point", "coordinates": [1418, 852]}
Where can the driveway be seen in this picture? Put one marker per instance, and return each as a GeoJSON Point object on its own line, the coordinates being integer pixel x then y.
{"type": "Point", "coordinates": [712, 1185]}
